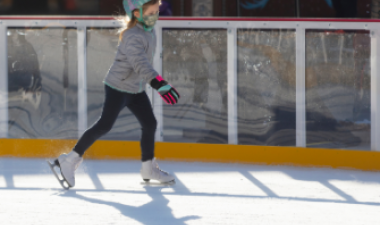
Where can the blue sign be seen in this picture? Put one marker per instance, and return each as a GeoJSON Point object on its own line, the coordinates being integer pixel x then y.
{"type": "Point", "coordinates": [329, 2]}
{"type": "Point", "coordinates": [255, 4]}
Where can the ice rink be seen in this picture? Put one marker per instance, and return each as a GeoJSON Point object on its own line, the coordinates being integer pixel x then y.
{"type": "Point", "coordinates": [112, 192]}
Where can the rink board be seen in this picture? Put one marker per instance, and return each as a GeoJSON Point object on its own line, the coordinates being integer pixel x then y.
{"type": "Point", "coordinates": [295, 156]}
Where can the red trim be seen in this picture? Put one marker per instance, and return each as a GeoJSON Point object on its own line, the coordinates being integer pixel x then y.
{"type": "Point", "coordinates": [270, 19]}
{"type": "Point", "coordinates": [54, 18]}
{"type": "Point", "coordinates": [192, 19]}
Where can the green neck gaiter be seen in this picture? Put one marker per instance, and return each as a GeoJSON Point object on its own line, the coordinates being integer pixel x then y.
{"type": "Point", "coordinates": [148, 21]}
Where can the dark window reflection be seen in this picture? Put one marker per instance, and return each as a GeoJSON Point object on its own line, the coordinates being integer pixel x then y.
{"type": "Point", "coordinates": [345, 8]}
{"type": "Point", "coordinates": [266, 87]}
{"type": "Point", "coordinates": [27, 6]}
{"type": "Point", "coordinates": [42, 83]}
{"type": "Point", "coordinates": [338, 89]}
{"type": "Point", "coordinates": [198, 8]}
{"type": "Point", "coordinates": [166, 8]}
{"type": "Point", "coordinates": [195, 62]}
{"type": "Point", "coordinates": [268, 8]}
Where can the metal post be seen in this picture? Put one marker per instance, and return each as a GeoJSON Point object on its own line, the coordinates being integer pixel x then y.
{"type": "Point", "coordinates": [375, 90]}
{"type": "Point", "coordinates": [298, 12]}
{"type": "Point", "coordinates": [82, 79]}
{"type": "Point", "coordinates": [3, 81]}
{"type": "Point", "coordinates": [182, 7]}
{"type": "Point", "coordinates": [238, 8]}
{"type": "Point", "coordinates": [232, 86]}
{"type": "Point", "coordinates": [375, 9]}
{"type": "Point", "coordinates": [157, 101]}
{"type": "Point", "coordinates": [224, 13]}
{"type": "Point", "coordinates": [300, 88]}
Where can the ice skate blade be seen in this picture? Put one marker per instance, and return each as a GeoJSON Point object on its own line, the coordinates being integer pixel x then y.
{"type": "Point", "coordinates": [157, 183]}
{"type": "Point", "coordinates": [61, 181]}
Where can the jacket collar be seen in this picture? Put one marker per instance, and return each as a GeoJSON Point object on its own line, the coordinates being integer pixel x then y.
{"type": "Point", "coordinates": [139, 25]}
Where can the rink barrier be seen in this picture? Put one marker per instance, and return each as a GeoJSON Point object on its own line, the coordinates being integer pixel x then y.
{"type": "Point", "coordinates": [232, 153]}
{"type": "Point", "coordinates": [263, 155]}
{"type": "Point", "coordinates": [232, 25]}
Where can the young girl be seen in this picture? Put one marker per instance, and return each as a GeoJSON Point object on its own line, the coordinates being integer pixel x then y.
{"type": "Point", "coordinates": [124, 87]}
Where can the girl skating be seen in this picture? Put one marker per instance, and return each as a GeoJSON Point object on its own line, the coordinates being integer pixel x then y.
{"type": "Point", "coordinates": [125, 87]}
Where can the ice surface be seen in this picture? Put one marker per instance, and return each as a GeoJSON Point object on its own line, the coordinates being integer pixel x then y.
{"type": "Point", "coordinates": [112, 192]}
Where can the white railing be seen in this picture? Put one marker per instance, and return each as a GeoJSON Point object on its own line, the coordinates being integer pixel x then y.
{"type": "Point", "coordinates": [232, 27]}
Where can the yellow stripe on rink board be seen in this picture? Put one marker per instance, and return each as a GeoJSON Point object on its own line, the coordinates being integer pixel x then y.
{"type": "Point", "coordinates": [38, 148]}
{"type": "Point", "coordinates": [310, 157]}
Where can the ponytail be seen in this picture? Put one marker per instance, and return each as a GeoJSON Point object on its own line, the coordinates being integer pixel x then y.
{"type": "Point", "coordinates": [127, 24]}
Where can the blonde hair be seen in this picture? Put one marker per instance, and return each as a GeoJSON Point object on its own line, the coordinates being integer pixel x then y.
{"type": "Point", "coordinates": [129, 23]}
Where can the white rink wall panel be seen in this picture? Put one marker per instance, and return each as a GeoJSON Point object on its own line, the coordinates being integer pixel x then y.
{"type": "Point", "coordinates": [42, 82]}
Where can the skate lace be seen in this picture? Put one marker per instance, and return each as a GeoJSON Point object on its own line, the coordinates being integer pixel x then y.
{"type": "Point", "coordinates": [162, 171]}
{"type": "Point", "coordinates": [158, 168]}
{"type": "Point", "coordinates": [77, 163]}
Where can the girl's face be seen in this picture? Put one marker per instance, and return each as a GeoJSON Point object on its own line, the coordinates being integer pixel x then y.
{"type": "Point", "coordinates": [151, 10]}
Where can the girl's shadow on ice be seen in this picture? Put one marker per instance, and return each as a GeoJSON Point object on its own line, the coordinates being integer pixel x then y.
{"type": "Point", "coordinates": [154, 212]}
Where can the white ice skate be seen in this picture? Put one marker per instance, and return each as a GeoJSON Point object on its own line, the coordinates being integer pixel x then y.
{"type": "Point", "coordinates": [68, 164]}
{"type": "Point", "coordinates": [151, 171]}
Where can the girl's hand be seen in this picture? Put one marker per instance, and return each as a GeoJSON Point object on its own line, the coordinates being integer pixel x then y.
{"type": "Point", "coordinates": [168, 93]}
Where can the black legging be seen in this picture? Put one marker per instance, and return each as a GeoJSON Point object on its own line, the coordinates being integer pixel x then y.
{"type": "Point", "coordinates": [114, 102]}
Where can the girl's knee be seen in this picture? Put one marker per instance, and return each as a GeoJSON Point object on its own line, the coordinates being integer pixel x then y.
{"type": "Point", "coordinates": [103, 131]}
{"type": "Point", "coordinates": [151, 125]}
{"type": "Point", "coordinates": [102, 128]}
{"type": "Point", "coordinates": [154, 124]}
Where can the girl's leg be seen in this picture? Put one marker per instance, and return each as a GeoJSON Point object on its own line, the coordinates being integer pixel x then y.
{"type": "Point", "coordinates": [114, 102]}
{"type": "Point", "coordinates": [141, 107]}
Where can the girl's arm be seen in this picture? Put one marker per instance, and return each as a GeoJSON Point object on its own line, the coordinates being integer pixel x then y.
{"type": "Point", "coordinates": [167, 92]}
{"type": "Point", "coordinates": [137, 57]}
{"type": "Point", "coordinates": [134, 49]}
